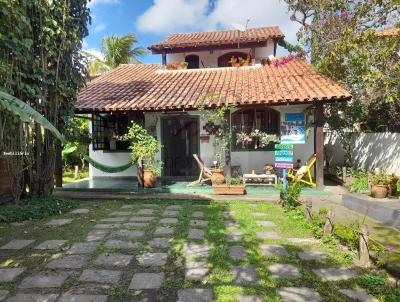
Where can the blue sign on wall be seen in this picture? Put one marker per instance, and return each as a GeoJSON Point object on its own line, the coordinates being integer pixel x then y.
{"type": "Point", "coordinates": [293, 129]}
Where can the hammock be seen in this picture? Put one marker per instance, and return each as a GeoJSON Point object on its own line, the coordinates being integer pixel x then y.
{"type": "Point", "coordinates": [108, 169]}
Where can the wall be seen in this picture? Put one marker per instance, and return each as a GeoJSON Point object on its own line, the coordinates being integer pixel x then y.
{"type": "Point", "coordinates": [370, 151]}
{"type": "Point", "coordinates": [248, 160]}
{"type": "Point", "coordinates": [210, 58]}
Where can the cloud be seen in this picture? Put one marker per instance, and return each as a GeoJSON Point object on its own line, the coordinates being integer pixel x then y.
{"type": "Point", "coordinates": [99, 27]}
{"type": "Point", "coordinates": [93, 3]}
{"type": "Point", "coordinates": [168, 16]}
{"type": "Point", "coordinates": [95, 52]}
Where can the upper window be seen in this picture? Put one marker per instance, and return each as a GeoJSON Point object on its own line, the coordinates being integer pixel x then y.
{"type": "Point", "coordinates": [248, 125]}
{"type": "Point", "coordinates": [108, 129]}
{"type": "Point", "coordinates": [224, 60]}
{"type": "Point", "coordinates": [193, 61]}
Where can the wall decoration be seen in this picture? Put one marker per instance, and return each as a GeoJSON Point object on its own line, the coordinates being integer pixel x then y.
{"type": "Point", "coordinates": [293, 129]}
{"type": "Point", "coordinates": [284, 156]}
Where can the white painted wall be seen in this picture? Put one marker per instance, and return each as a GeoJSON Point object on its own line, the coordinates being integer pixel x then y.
{"type": "Point", "coordinates": [248, 160]}
{"type": "Point", "coordinates": [210, 58]}
{"type": "Point", "coordinates": [370, 151]}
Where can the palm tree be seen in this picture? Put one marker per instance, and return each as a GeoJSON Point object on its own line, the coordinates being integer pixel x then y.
{"type": "Point", "coordinates": [116, 51]}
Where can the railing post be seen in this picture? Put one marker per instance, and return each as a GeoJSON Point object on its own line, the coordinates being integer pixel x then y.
{"type": "Point", "coordinates": [363, 248]}
{"type": "Point", "coordinates": [328, 227]}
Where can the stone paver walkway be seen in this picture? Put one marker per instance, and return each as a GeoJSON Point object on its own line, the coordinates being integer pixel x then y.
{"type": "Point", "coordinates": [144, 248]}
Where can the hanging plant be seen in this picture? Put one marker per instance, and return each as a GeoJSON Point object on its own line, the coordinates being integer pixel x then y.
{"type": "Point", "coordinates": [211, 128]}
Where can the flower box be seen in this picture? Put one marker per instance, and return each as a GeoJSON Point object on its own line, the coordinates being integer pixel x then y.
{"type": "Point", "coordinates": [225, 189]}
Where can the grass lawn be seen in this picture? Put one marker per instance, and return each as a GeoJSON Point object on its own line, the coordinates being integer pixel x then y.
{"type": "Point", "coordinates": [219, 278]}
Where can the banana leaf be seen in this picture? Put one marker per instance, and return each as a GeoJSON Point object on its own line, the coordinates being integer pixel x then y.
{"type": "Point", "coordinates": [27, 114]}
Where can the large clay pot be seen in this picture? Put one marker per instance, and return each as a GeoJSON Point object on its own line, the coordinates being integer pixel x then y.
{"type": "Point", "coordinates": [149, 179]}
{"type": "Point", "coordinates": [379, 191]}
{"type": "Point", "coordinates": [217, 177]}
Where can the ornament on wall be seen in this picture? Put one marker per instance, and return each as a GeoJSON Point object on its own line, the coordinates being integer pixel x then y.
{"type": "Point", "coordinates": [211, 128]}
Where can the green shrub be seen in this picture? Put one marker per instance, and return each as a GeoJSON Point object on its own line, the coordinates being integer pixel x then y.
{"type": "Point", "coordinates": [372, 280]}
{"type": "Point", "coordinates": [290, 196]}
{"type": "Point", "coordinates": [233, 181]}
{"type": "Point", "coordinates": [360, 184]}
{"type": "Point", "coordinates": [35, 208]}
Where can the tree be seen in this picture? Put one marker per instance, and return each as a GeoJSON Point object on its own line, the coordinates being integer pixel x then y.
{"type": "Point", "coordinates": [341, 41]}
{"type": "Point", "coordinates": [116, 51]}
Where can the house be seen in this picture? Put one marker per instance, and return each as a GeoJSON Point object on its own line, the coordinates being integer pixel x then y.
{"type": "Point", "coordinates": [268, 95]}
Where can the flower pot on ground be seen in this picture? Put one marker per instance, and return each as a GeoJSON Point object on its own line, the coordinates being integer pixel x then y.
{"type": "Point", "coordinates": [144, 149]}
{"type": "Point", "coordinates": [217, 177]}
{"type": "Point", "coordinates": [380, 185]}
{"type": "Point", "coordinates": [232, 186]}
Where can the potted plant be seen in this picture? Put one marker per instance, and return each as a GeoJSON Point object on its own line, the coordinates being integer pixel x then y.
{"type": "Point", "coordinates": [379, 185]}
{"type": "Point", "coordinates": [268, 168]}
{"type": "Point", "coordinates": [244, 139]}
{"type": "Point", "coordinates": [172, 66]}
{"type": "Point", "coordinates": [234, 62]}
{"type": "Point", "coordinates": [244, 62]}
{"type": "Point", "coordinates": [393, 180]}
{"type": "Point", "coordinates": [232, 186]}
{"type": "Point", "coordinates": [144, 149]}
{"type": "Point", "coordinates": [183, 65]}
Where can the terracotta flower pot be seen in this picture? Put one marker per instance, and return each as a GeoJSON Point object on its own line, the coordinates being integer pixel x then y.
{"type": "Point", "coordinates": [268, 169]}
{"type": "Point", "coordinates": [379, 191]}
{"type": "Point", "coordinates": [225, 189]}
{"type": "Point", "coordinates": [149, 179]}
{"type": "Point", "coordinates": [217, 177]}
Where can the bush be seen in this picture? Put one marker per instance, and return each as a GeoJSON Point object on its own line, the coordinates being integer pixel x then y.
{"type": "Point", "coordinates": [290, 196]}
{"type": "Point", "coordinates": [360, 184]}
{"type": "Point", "coordinates": [35, 208]}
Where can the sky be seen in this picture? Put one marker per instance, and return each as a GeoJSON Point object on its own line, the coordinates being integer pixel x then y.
{"type": "Point", "coordinates": [153, 20]}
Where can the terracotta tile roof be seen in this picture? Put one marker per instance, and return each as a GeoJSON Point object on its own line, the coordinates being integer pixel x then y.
{"type": "Point", "coordinates": [228, 37]}
{"type": "Point", "coordinates": [388, 32]}
{"type": "Point", "coordinates": [146, 87]}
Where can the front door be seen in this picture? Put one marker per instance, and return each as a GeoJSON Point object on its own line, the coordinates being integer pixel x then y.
{"type": "Point", "coordinates": [180, 140]}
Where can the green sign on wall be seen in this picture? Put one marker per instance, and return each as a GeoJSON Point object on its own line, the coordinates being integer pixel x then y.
{"type": "Point", "coordinates": [284, 156]}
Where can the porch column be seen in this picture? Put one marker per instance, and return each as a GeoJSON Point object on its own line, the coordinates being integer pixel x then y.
{"type": "Point", "coordinates": [319, 144]}
{"type": "Point", "coordinates": [58, 166]}
{"type": "Point", "coordinates": [164, 58]}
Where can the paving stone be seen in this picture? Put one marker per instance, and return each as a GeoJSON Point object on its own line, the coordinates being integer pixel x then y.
{"type": "Point", "coordinates": [271, 250]}
{"type": "Point", "coordinates": [16, 244]}
{"type": "Point", "coordinates": [174, 207]}
{"type": "Point", "coordinates": [335, 274]}
{"type": "Point", "coordinates": [247, 298]}
{"type": "Point", "coordinates": [96, 235]}
{"type": "Point", "coordinates": [160, 242]}
{"type": "Point", "coordinates": [195, 295]}
{"type": "Point", "coordinates": [152, 259]}
{"type": "Point", "coordinates": [237, 252]}
{"type": "Point", "coordinates": [127, 234]}
{"type": "Point", "coordinates": [169, 221]}
{"type": "Point", "coordinates": [284, 271]}
{"type": "Point", "coordinates": [121, 213]}
{"type": "Point", "coordinates": [303, 240]}
{"type": "Point", "coordinates": [198, 223]}
{"type": "Point", "coordinates": [258, 214]}
{"type": "Point", "coordinates": [195, 250]}
{"type": "Point", "coordinates": [107, 226]}
{"type": "Point", "coordinates": [82, 298]}
{"type": "Point", "coordinates": [171, 213]}
{"type": "Point", "coordinates": [33, 298]}
{"type": "Point", "coordinates": [113, 259]}
{"type": "Point", "coordinates": [68, 262]}
{"type": "Point", "coordinates": [231, 224]}
{"type": "Point", "coordinates": [9, 274]}
{"type": "Point", "coordinates": [265, 223]}
{"type": "Point", "coordinates": [145, 212]}
{"type": "Point", "coordinates": [196, 234]}
{"type": "Point", "coordinates": [135, 225]}
{"type": "Point", "coordinates": [311, 255]}
{"type": "Point", "coordinates": [120, 244]}
{"type": "Point", "coordinates": [149, 205]}
{"type": "Point", "coordinates": [164, 231]}
{"type": "Point", "coordinates": [234, 236]}
{"type": "Point", "coordinates": [80, 211]}
{"type": "Point", "coordinates": [83, 248]}
{"type": "Point", "coordinates": [228, 214]}
{"type": "Point", "coordinates": [58, 222]}
{"type": "Point", "coordinates": [51, 245]}
{"type": "Point", "coordinates": [358, 295]}
{"type": "Point", "coordinates": [244, 275]}
{"type": "Point", "coordinates": [45, 280]}
{"type": "Point", "coordinates": [114, 219]}
{"type": "Point", "coordinates": [198, 214]}
{"type": "Point", "coordinates": [147, 281]}
{"type": "Point", "coordinates": [127, 206]}
{"type": "Point", "coordinates": [141, 218]}
{"type": "Point", "coordinates": [299, 294]}
{"type": "Point", "coordinates": [3, 294]}
{"type": "Point", "coordinates": [100, 276]}
{"type": "Point", "coordinates": [267, 235]}
{"type": "Point", "coordinates": [195, 270]}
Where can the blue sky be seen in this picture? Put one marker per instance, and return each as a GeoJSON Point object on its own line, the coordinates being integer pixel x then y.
{"type": "Point", "coordinates": [152, 20]}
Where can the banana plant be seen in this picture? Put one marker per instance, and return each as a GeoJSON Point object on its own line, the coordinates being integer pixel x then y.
{"type": "Point", "coordinates": [27, 114]}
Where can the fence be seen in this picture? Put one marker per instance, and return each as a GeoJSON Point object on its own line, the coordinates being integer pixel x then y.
{"type": "Point", "coordinates": [370, 151]}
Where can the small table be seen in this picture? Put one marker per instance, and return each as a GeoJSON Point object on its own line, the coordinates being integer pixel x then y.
{"type": "Point", "coordinates": [260, 179]}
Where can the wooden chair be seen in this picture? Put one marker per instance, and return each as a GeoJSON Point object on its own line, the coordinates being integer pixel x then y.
{"type": "Point", "coordinates": [205, 173]}
{"type": "Point", "coordinates": [303, 174]}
